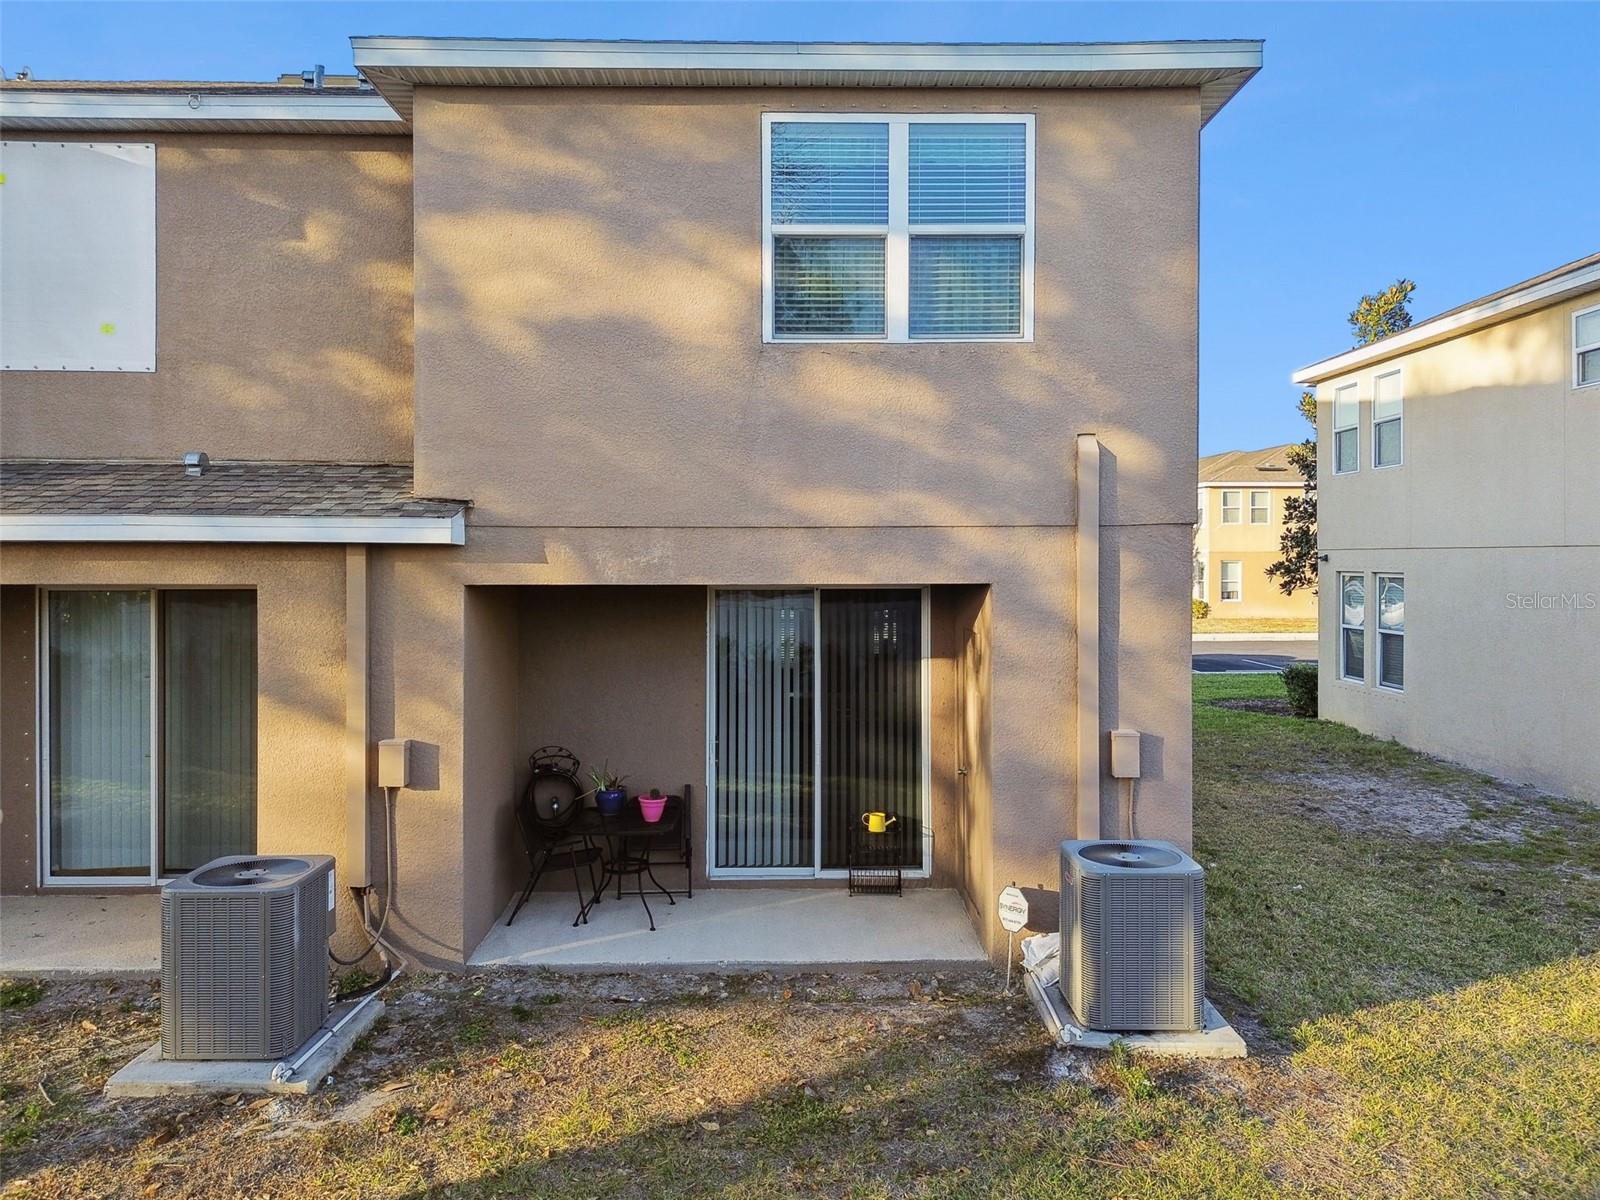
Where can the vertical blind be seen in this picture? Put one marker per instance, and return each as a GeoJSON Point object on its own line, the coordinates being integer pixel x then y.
{"type": "Point", "coordinates": [102, 729]}
{"type": "Point", "coordinates": [208, 726]}
{"type": "Point", "coordinates": [966, 286]}
{"type": "Point", "coordinates": [99, 735]}
{"type": "Point", "coordinates": [968, 174]}
{"type": "Point", "coordinates": [827, 286]}
{"type": "Point", "coordinates": [764, 729]}
{"type": "Point", "coordinates": [830, 173]}
{"type": "Point", "coordinates": [871, 719]}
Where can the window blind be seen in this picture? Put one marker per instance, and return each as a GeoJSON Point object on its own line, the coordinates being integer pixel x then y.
{"type": "Point", "coordinates": [966, 286]}
{"type": "Point", "coordinates": [208, 726]}
{"type": "Point", "coordinates": [968, 174]}
{"type": "Point", "coordinates": [99, 715]}
{"type": "Point", "coordinates": [827, 286]}
{"type": "Point", "coordinates": [765, 726]}
{"type": "Point", "coordinates": [830, 173]}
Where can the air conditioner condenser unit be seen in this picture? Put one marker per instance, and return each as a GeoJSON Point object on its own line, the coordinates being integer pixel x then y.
{"type": "Point", "coordinates": [1132, 936]}
{"type": "Point", "coordinates": [244, 957]}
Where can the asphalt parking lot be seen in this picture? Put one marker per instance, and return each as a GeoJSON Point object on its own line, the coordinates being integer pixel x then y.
{"type": "Point", "coordinates": [1247, 655]}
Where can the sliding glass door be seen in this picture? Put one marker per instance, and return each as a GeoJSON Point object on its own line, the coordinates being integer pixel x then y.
{"type": "Point", "coordinates": [150, 731]}
{"type": "Point", "coordinates": [818, 716]}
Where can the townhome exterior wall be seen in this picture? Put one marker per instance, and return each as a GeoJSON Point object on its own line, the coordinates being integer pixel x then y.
{"type": "Point", "coordinates": [283, 298]}
{"type": "Point", "coordinates": [1494, 520]}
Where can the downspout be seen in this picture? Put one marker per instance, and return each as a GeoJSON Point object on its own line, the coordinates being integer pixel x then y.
{"type": "Point", "coordinates": [357, 870]}
{"type": "Point", "coordinates": [1088, 614]}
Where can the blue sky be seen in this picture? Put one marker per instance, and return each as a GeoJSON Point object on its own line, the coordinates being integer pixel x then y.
{"type": "Point", "coordinates": [1453, 144]}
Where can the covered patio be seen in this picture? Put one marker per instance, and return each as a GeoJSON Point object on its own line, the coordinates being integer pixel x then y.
{"type": "Point", "coordinates": [739, 927]}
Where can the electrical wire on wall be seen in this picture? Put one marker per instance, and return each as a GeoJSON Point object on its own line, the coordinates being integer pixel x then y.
{"type": "Point", "coordinates": [393, 960]}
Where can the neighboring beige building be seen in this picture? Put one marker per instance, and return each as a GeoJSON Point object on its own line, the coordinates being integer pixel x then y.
{"type": "Point", "coordinates": [1239, 531]}
{"type": "Point", "coordinates": [734, 415]}
{"type": "Point", "coordinates": [1459, 511]}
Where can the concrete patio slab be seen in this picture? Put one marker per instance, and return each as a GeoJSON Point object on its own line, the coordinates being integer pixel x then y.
{"type": "Point", "coordinates": [152, 1075]}
{"type": "Point", "coordinates": [739, 927]}
{"type": "Point", "coordinates": [1215, 1039]}
{"type": "Point", "coordinates": [81, 935]}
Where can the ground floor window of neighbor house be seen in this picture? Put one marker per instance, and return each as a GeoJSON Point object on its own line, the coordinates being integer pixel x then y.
{"type": "Point", "coordinates": [1392, 632]}
{"type": "Point", "coordinates": [1353, 627]}
{"type": "Point", "coordinates": [1232, 579]}
{"type": "Point", "coordinates": [149, 731]}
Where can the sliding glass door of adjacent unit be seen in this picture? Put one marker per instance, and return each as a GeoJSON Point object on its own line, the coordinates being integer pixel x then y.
{"type": "Point", "coordinates": [818, 716]}
{"type": "Point", "coordinates": [150, 731]}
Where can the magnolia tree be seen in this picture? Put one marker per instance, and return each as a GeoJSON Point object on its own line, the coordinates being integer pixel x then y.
{"type": "Point", "coordinates": [1374, 318]}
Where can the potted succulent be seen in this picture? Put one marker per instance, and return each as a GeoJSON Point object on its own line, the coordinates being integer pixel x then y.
{"type": "Point", "coordinates": [652, 806]}
{"type": "Point", "coordinates": [609, 796]}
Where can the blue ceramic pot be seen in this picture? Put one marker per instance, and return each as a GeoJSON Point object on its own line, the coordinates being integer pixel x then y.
{"type": "Point", "coordinates": [611, 801]}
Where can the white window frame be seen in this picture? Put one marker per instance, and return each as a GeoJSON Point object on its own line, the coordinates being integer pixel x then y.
{"type": "Point", "coordinates": [897, 233]}
{"type": "Point", "coordinates": [1222, 581]}
{"type": "Point", "coordinates": [1266, 506]}
{"type": "Point", "coordinates": [1399, 418]}
{"type": "Point", "coordinates": [816, 870]}
{"type": "Point", "coordinates": [1237, 506]}
{"type": "Point", "coordinates": [1578, 351]}
{"type": "Point", "coordinates": [1344, 660]}
{"type": "Point", "coordinates": [1378, 631]}
{"type": "Point", "coordinates": [1338, 429]}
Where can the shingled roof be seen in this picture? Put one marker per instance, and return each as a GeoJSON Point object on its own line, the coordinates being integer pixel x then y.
{"type": "Point", "coordinates": [1269, 466]}
{"type": "Point", "coordinates": [227, 495]}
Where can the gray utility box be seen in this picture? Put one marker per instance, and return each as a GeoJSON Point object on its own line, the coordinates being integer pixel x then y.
{"type": "Point", "coordinates": [244, 956]}
{"type": "Point", "coordinates": [1133, 936]}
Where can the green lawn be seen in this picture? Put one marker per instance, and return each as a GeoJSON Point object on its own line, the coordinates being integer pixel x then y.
{"type": "Point", "coordinates": [1410, 947]}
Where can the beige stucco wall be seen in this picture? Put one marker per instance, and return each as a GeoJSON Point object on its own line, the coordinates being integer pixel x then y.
{"type": "Point", "coordinates": [283, 301]}
{"type": "Point", "coordinates": [590, 371]}
{"type": "Point", "coordinates": [300, 714]}
{"type": "Point", "coordinates": [1494, 519]}
{"type": "Point", "coordinates": [1255, 547]}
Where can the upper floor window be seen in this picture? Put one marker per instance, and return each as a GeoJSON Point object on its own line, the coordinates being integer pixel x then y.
{"type": "Point", "coordinates": [1388, 402]}
{"type": "Point", "coordinates": [1232, 511]}
{"type": "Point", "coordinates": [1346, 444]}
{"type": "Point", "coordinates": [1260, 508]}
{"type": "Point", "coordinates": [1586, 347]}
{"type": "Point", "coordinates": [897, 228]}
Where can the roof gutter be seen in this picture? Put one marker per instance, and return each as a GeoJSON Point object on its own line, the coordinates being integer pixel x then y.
{"type": "Point", "coordinates": [1442, 328]}
{"type": "Point", "coordinates": [176, 527]}
{"type": "Point", "coordinates": [198, 110]}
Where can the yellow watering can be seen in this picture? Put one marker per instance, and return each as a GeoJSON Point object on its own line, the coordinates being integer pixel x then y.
{"type": "Point", "coordinates": [877, 822]}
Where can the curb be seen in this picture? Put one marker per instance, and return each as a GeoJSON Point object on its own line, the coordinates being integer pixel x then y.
{"type": "Point", "coordinates": [1309, 636]}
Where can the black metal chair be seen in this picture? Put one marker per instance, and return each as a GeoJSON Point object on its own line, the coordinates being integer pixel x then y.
{"type": "Point", "coordinates": [545, 819]}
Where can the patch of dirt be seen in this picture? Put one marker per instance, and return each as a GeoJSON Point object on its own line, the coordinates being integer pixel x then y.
{"type": "Point", "coordinates": [1475, 808]}
{"type": "Point", "coordinates": [1270, 706]}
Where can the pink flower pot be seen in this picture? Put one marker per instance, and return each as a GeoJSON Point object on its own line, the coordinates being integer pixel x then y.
{"type": "Point", "coordinates": [651, 808]}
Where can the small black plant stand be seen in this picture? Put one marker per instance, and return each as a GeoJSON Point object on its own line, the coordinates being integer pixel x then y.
{"type": "Point", "coordinates": [877, 862]}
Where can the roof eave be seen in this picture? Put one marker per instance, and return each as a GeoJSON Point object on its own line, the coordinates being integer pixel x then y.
{"type": "Point", "coordinates": [198, 111]}
{"type": "Point", "coordinates": [396, 65]}
{"type": "Point", "coordinates": [1453, 324]}
{"type": "Point", "coordinates": [190, 527]}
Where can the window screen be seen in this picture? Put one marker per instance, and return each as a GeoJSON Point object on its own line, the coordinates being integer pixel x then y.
{"type": "Point", "coordinates": [827, 286]}
{"type": "Point", "coordinates": [968, 174]}
{"type": "Point", "coordinates": [965, 286]}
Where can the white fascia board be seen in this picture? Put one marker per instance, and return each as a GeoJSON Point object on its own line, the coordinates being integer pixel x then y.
{"type": "Point", "coordinates": [147, 527]}
{"type": "Point", "coordinates": [1293, 482]}
{"type": "Point", "coordinates": [512, 54]}
{"type": "Point", "coordinates": [1442, 328]}
{"type": "Point", "coordinates": [19, 108]}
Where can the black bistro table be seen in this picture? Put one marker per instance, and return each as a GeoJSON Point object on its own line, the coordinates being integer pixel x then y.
{"type": "Point", "coordinates": [630, 840]}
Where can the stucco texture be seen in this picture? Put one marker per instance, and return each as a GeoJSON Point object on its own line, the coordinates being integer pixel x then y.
{"type": "Point", "coordinates": [1494, 520]}
{"type": "Point", "coordinates": [283, 301]}
{"type": "Point", "coordinates": [588, 269]}
{"type": "Point", "coordinates": [300, 716]}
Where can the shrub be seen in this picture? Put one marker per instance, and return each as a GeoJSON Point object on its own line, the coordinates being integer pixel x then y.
{"type": "Point", "coordinates": [1201, 609]}
{"type": "Point", "coordinates": [1300, 681]}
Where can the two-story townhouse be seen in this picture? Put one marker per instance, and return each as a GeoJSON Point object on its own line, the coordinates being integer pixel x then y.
{"type": "Point", "coordinates": [1456, 472]}
{"type": "Point", "coordinates": [1238, 534]}
{"type": "Point", "coordinates": [811, 424]}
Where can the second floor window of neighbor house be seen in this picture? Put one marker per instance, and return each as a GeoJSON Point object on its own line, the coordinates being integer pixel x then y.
{"type": "Point", "coordinates": [897, 228]}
